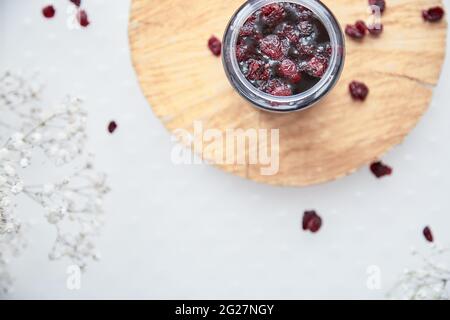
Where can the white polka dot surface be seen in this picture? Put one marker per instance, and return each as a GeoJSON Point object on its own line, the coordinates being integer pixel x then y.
{"type": "Point", "coordinates": [192, 231]}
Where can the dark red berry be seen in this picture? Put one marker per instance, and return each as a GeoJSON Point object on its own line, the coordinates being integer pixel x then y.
{"type": "Point", "coordinates": [317, 66]}
{"type": "Point", "coordinates": [112, 126]}
{"type": "Point", "coordinates": [258, 70]}
{"type": "Point", "coordinates": [248, 27]}
{"type": "Point", "coordinates": [379, 3]}
{"type": "Point", "coordinates": [358, 90]}
{"type": "Point", "coordinates": [48, 12]}
{"type": "Point", "coordinates": [289, 32]}
{"type": "Point", "coordinates": [278, 88]}
{"type": "Point", "coordinates": [311, 221]}
{"type": "Point", "coordinates": [83, 18]}
{"type": "Point", "coordinates": [272, 14]}
{"type": "Point", "coordinates": [434, 14]}
{"type": "Point", "coordinates": [305, 28]}
{"type": "Point", "coordinates": [242, 52]}
{"type": "Point", "coordinates": [215, 46]}
{"type": "Point", "coordinates": [305, 50]}
{"type": "Point", "coordinates": [289, 70]}
{"type": "Point", "coordinates": [380, 170]}
{"type": "Point", "coordinates": [76, 2]}
{"type": "Point", "coordinates": [303, 13]}
{"type": "Point", "coordinates": [271, 46]}
{"type": "Point", "coordinates": [375, 29]}
{"type": "Point", "coordinates": [353, 32]}
{"type": "Point", "coordinates": [361, 26]}
{"type": "Point", "coordinates": [428, 234]}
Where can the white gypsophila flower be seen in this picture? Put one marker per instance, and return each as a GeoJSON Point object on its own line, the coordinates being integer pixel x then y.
{"type": "Point", "coordinates": [430, 281]}
{"type": "Point", "coordinates": [16, 90]}
{"type": "Point", "coordinates": [72, 205]}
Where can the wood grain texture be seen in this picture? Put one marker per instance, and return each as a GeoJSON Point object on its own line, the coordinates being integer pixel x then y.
{"type": "Point", "coordinates": [184, 82]}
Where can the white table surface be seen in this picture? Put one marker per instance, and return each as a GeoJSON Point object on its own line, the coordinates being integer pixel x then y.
{"type": "Point", "coordinates": [194, 231]}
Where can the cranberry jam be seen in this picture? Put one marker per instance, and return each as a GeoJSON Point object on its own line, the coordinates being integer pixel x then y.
{"type": "Point", "coordinates": [283, 55]}
{"type": "Point", "coordinates": [283, 49]}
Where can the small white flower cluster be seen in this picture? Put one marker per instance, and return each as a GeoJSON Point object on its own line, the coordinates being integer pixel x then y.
{"type": "Point", "coordinates": [11, 240]}
{"type": "Point", "coordinates": [74, 205]}
{"type": "Point", "coordinates": [429, 282]}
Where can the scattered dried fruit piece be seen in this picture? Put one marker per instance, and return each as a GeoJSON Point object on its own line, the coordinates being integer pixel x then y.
{"type": "Point", "coordinates": [375, 29]}
{"type": "Point", "coordinates": [358, 90]}
{"type": "Point", "coordinates": [361, 26]}
{"type": "Point", "coordinates": [76, 2]}
{"type": "Point", "coordinates": [428, 234]}
{"type": "Point", "coordinates": [380, 170]}
{"type": "Point", "coordinates": [48, 11]}
{"type": "Point", "coordinates": [215, 46]}
{"type": "Point", "coordinates": [112, 126]}
{"type": "Point", "coordinates": [83, 18]}
{"type": "Point", "coordinates": [434, 14]}
{"type": "Point", "coordinates": [311, 221]}
{"type": "Point", "coordinates": [379, 3]}
{"type": "Point", "coordinates": [353, 32]}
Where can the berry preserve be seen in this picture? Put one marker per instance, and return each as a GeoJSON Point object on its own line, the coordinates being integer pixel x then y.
{"type": "Point", "coordinates": [283, 55]}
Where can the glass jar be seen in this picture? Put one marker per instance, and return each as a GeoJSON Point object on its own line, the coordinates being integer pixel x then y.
{"type": "Point", "coordinates": [295, 102]}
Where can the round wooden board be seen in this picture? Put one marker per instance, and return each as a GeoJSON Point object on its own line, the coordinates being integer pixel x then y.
{"type": "Point", "coordinates": [184, 83]}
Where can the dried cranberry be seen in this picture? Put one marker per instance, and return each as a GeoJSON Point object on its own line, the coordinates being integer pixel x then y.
{"type": "Point", "coordinates": [83, 18]}
{"type": "Point", "coordinates": [428, 234]}
{"type": "Point", "coordinates": [276, 87]}
{"type": "Point", "coordinates": [242, 52]}
{"type": "Point", "coordinates": [306, 50]}
{"type": "Point", "coordinates": [248, 27]}
{"type": "Point", "coordinates": [289, 70]}
{"type": "Point", "coordinates": [358, 90]}
{"type": "Point", "coordinates": [361, 26]}
{"type": "Point", "coordinates": [304, 13]}
{"type": "Point", "coordinates": [311, 221]}
{"type": "Point", "coordinates": [375, 29]}
{"type": "Point", "coordinates": [49, 11]}
{"type": "Point", "coordinates": [354, 32]}
{"type": "Point", "coordinates": [266, 74]}
{"type": "Point", "coordinates": [112, 126]}
{"type": "Point", "coordinates": [379, 3]}
{"type": "Point", "coordinates": [289, 32]}
{"type": "Point", "coordinates": [76, 2]}
{"type": "Point", "coordinates": [434, 14]}
{"type": "Point", "coordinates": [271, 46]}
{"type": "Point", "coordinates": [215, 46]}
{"type": "Point", "coordinates": [272, 14]}
{"type": "Point", "coordinates": [380, 170]}
{"type": "Point", "coordinates": [317, 66]}
{"type": "Point", "coordinates": [258, 70]}
{"type": "Point", "coordinates": [305, 28]}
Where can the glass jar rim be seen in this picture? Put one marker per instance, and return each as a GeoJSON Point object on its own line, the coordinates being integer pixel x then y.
{"type": "Point", "coordinates": [327, 81]}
